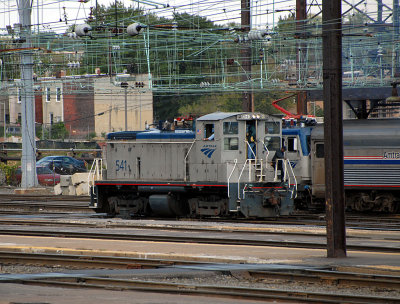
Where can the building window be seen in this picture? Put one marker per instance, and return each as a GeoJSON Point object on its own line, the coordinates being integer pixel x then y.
{"type": "Point", "coordinates": [19, 95]}
{"type": "Point", "coordinates": [48, 94]}
{"type": "Point", "coordinates": [58, 95]}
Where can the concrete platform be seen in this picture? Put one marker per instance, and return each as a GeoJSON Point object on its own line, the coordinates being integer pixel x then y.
{"type": "Point", "coordinates": [198, 252]}
{"type": "Point", "coordinates": [33, 191]}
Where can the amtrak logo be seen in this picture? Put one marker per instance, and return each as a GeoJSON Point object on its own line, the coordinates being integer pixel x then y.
{"type": "Point", "coordinates": [293, 164]}
{"type": "Point", "coordinates": [208, 150]}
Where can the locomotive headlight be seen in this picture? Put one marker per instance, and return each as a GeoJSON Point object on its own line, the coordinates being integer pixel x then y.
{"type": "Point", "coordinates": [253, 116]}
{"type": "Point", "coordinates": [258, 116]}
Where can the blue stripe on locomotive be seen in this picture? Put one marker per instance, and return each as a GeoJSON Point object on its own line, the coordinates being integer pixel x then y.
{"type": "Point", "coordinates": [166, 135]}
{"type": "Point", "coordinates": [155, 134]}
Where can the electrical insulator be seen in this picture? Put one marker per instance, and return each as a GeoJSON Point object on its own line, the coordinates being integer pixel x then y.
{"type": "Point", "coordinates": [139, 84]}
{"type": "Point", "coordinates": [135, 29]}
{"type": "Point", "coordinates": [82, 30]}
{"type": "Point", "coordinates": [204, 84]}
{"type": "Point", "coordinates": [72, 35]}
{"type": "Point", "coordinates": [257, 35]}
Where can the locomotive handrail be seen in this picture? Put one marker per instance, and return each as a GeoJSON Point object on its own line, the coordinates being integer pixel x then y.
{"type": "Point", "coordinates": [255, 155]}
{"type": "Point", "coordinates": [95, 170]}
{"type": "Point", "coordinates": [265, 147]}
{"type": "Point", "coordinates": [240, 175]}
{"type": "Point", "coordinates": [230, 175]}
{"type": "Point", "coordinates": [287, 162]}
{"type": "Point", "coordinates": [184, 164]}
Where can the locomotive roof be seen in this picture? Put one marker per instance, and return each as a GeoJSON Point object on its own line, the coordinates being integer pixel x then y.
{"type": "Point", "coordinates": [219, 115]}
{"type": "Point", "coordinates": [223, 115]}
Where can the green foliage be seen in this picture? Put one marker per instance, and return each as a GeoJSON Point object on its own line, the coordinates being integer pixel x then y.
{"type": "Point", "coordinates": [7, 174]}
{"type": "Point", "coordinates": [232, 102]}
{"type": "Point", "coordinates": [319, 112]}
{"type": "Point", "coordinates": [211, 103]}
{"type": "Point", "coordinates": [92, 135]}
{"type": "Point", "coordinates": [54, 131]}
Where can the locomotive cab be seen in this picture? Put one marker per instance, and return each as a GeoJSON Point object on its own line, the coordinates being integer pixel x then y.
{"type": "Point", "coordinates": [228, 140]}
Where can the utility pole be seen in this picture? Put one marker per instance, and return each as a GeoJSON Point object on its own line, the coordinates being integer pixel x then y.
{"type": "Point", "coordinates": [333, 128]}
{"type": "Point", "coordinates": [125, 86]}
{"type": "Point", "coordinates": [245, 53]}
{"type": "Point", "coordinates": [28, 160]}
{"type": "Point", "coordinates": [301, 17]}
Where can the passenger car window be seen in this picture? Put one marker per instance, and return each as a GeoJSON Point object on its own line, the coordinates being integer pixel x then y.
{"type": "Point", "coordinates": [231, 127]}
{"type": "Point", "coordinates": [231, 143]}
{"type": "Point", "coordinates": [319, 150]}
{"type": "Point", "coordinates": [272, 127]}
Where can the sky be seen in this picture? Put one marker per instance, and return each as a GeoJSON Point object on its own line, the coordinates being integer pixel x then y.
{"type": "Point", "coordinates": [59, 15]}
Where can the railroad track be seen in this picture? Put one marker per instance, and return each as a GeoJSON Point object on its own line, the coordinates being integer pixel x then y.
{"type": "Point", "coordinates": [300, 275]}
{"type": "Point", "coordinates": [210, 239]}
{"type": "Point", "coordinates": [248, 293]}
{"type": "Point", "coordinates": [42, 198]}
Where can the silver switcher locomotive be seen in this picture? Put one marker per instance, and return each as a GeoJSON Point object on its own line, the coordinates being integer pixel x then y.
{"type": "Point", "coordinates": [221, 168]}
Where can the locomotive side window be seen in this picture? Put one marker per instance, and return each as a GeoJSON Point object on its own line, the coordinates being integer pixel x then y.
{"type": "Point", "coordinates": [209, 130]}
{"type": "Point", "coordinates": [292, 144]}
{"type": "Point", "coordinates": [231, 143]}
{"type": "Point", "coordinates": [231, 127]}
{"type": "Point", "coordinates": [272, 127]}
{"type": "Point", "coordinates": [272, 142]}
{"type": "Point", "coordinates": [319, 150]}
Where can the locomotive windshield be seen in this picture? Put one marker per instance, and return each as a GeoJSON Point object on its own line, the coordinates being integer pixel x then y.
{"type": "Point", "coordinates": [272, 143]}
{"type": "Point", "coordinates": [272, 127]}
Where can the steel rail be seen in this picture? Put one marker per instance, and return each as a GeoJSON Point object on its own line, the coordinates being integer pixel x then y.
{"type": "Point", "coordinates": [116, 262]}
{"type": "Point", "coordinates": [208, 290]}
{"type": "Point", "coordinates": [193, 239]}
{"type": "Point", "coordinates": [331, 277]}
{"type": "Point", "coordinates": [87, 261]}
{"type": "Point", "coordinates": [46, 197]}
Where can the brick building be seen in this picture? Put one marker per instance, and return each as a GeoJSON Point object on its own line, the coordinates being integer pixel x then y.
{"type": "Point", "coordinates": [86, 104]}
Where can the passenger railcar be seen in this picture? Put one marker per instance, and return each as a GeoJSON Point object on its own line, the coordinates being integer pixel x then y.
{"type": "Point", "coordinates": [371, 164]}
{"type": "Point", "coordinates": [222, 168]}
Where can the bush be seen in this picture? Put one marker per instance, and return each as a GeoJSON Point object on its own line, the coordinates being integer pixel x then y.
{"type": "Point", "coordinates": [7, 174]}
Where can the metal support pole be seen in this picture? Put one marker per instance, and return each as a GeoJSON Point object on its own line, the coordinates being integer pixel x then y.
{"type": "Point", "coordinates": [126, 109]}
{"type": "Point", "coordinates": [301, 17]}
{"type": "Point", "coordinates": [333, 128]}
{"type": "Point", "coordinates": [4, 116]}
{"type": "Point", "coordinates": [380, 10]}
{"type": "Point", "coordinates": [245, 53]}
{"type": "Point", "coordinates": [28, 160]}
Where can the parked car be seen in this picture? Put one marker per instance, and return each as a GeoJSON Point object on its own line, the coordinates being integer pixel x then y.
{"type": "Point", "coordinates": [45, 176]}
{"type": "Point", "coordinates": [62, 164]}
